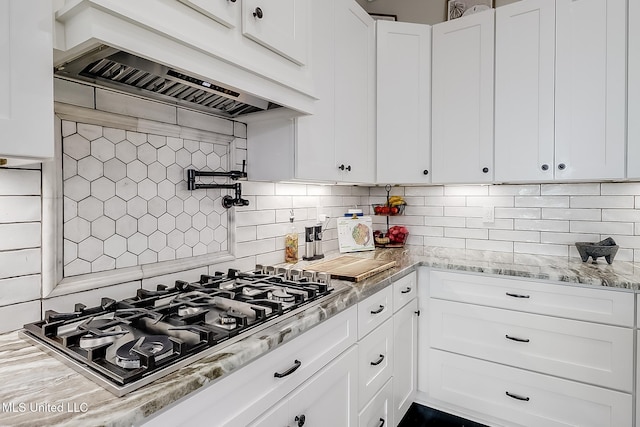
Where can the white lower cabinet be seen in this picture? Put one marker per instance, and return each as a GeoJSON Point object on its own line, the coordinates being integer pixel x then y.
{"type": "Point", "coordinates": [518, 352]}
{"type": "Point", "coordinates": [239, 398]}
{"type": "Point", "coordinates": [327, 399]}
{"type": "Point", "coordinates": [387, 327]}
{"type": "Point", "coordinates": [378, 412]}
{"type": "Point", "coordinates": [524, 398]}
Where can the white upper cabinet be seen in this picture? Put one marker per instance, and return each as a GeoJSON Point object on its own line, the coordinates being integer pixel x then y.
{"type": "Point", "coordinates": [633, 122]}
{"type": "Point", "coordinates": [225, 12]}
{"type": "Point", "coordinates": [26, 81]}
{"type": "Point", "coordinates": [524, 91]}
{"type": "Point", "coordinates": [403, 103]}
{"type": "Point", "coordinates": [462, 103]}
{"type": "Point", "coordinates": [337, 142]}
{"type": "Point", "coordinates": [590, 89]}
{"type": "Point", "coordinates": [280, 25]}
{"type": "Point", "coordinates": [354, 93]}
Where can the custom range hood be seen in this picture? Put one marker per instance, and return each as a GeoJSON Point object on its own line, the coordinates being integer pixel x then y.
{"type": "Point", "coordinates": [110, 67]}
{"type": "Point", "coordinates": [167, 51]}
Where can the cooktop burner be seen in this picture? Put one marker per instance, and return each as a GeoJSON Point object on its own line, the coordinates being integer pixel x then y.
{"type": "Point", "coordinates": [126, 344]}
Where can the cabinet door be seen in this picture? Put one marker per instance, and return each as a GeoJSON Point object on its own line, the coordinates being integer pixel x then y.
{"type": "Point", "coordinates": [315, 148]}
{"type": "Point", "coordinates": [590, 89]}
{"type": "Point", "coordinates": [225, 12]}
{"type": "Point", "coordinates": [26, 81]}
{"type": "Point", "coordinates": [462, 107]}
{"type": "Point", "coordinates": [378, 411]}
{"type": "Point", "coordinates": [279, 25]}
{"type": "Point", "coordinates": [403, 103]}
{"type": "Point", "coordinates": [522, 397]}
{"type": "Point", "coordinates": [405, 358]}
{"type": "Point", "coordinates": [354, 93]}
{"type": "Point", "coordinates": [633, 136]}
{"type": "Point", "coordinates": [326, 399]}
{"type": "Point", "coordinates": [524, 104]}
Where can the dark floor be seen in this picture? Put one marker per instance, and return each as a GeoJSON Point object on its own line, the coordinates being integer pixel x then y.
{"type": "Point", "coordinates": [421, 416]}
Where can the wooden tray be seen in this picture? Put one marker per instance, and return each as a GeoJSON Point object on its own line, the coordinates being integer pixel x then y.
{"type": "Point", "coordinates": [351, 268]}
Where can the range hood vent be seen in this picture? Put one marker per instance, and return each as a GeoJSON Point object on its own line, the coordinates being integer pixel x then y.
{"type": "Point", "coordinates": [132, 74]}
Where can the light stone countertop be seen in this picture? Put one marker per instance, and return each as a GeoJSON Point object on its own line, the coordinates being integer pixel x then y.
{"type": "Point", "coordinates": [36, 389]}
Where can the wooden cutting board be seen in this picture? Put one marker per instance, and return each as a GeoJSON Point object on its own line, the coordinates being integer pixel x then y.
{"type": "Point", "coordinates": [351, 268]}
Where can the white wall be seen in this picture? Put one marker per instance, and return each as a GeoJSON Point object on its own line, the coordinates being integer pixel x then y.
{"type": "Point", "coordinates": [417, 11]}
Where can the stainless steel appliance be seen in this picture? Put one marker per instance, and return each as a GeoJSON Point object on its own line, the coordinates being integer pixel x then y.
{"type": "Point", "coordinates": [124, 345]}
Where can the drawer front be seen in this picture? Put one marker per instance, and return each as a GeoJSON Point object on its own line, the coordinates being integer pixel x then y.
{"type": "Point", "coordinates": [375, 361]}
{"type": "Point", "coordinates": [522, 397]}
{"type": "Point", "coordinates": [373, 311]}
{"type": "Point", "coordinates": [593, 305]}
{"type": "Point", "coordinates": [588, 352]}
{"type": "Point", "coordinates": [243, 395]}
{"type": "Point", "coordinates": [378, 411]}
{"type": "Point", "coordinates": [404, 290]}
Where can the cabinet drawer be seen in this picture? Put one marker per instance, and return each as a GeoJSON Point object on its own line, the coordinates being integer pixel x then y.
{"type": "Point", "coordinates": [532, 399]}
{"type": "Point", "coordinates": [375, 361]}
{"type": "Point", "coordinates": [594, 305]}
{"type": "Point", "coordinates": [404, 290]}
{"type": "Point", "coordinates": [378, 411]}
{"type": "Point", "coordinates": [241, 396]}
{"type": "Point", "coordinates": [374, 310]}
{"type": "Point", "coordinates": [587, 352]}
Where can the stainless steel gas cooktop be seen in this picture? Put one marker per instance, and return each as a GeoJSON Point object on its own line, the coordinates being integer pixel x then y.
{"type": "Point", "coordinates": [124, 345]}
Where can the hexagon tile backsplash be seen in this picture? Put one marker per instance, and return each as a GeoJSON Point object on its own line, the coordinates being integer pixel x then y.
{"type": "Point", "coordinates": [126, 201]}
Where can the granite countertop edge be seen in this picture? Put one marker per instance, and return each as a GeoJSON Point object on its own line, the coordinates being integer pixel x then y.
{"type": "Point", "coordinates": [31, 376]}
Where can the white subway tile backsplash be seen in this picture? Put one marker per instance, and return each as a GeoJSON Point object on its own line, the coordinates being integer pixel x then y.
{"type": "Point", "coordinates": [306, 201]}
{"type": "Point", "coordinates": [467, 233]}
{"type": "Point", "coordinates": [17, 315]}
{"type": "Point", "coordinates": [620, 189]}
{"type": "Point", "coordinates": [445, 221]}
{"type": "Point", "coordinates": [463, 211]}
{"type": "Point", "coordinates": [497, 201]}
{"type": "Point", "coordinates": [444, 242]}
{"type": "Point", "coordinates": [542, 202]}
{"type": "Point", "coordinates": [20, 236]}
{"type": "Point", "coordinates": [20, 263]}
{"type": "Point", "coordinates": [489, 245]}
{"type": "Point", "coordinates": [444, 201]}
{"type": "Point", "coordinates": [19, 182]}
{"type": "Point", "coordinates": [540, 249]}
{"type": "Point", "coordinates": [514, 190]}
{"type": "Point", "coordinates": [590, 189]}
{"type": "Point", "coordinates": [273, 202]}
{"type": "Point", "coordinates": [572, 214]}
{"type": "Point", "coordinates": [567, 238]}
{"type": "Point", "coordinates": [601, 202]}
{"type": "Point", "coordinates": [466, 190]}
{"type": "Point", "coordinates": [244, 249]}
{"type": "Point", "coordinates": [19, 289]}
{"type": "Point", "coordinates": [625, 215]}
{"type": "Point", "coordinates": [602, 227]}
{"type": "Point", "coordinates": [290, 190]}
{"type": "Point", "coordinates": [19, 209]}
{"type": "Point", "coordinates": [515, 235]}
{"type": "Point", "coordinates": [498, 224]}
{"type": "Point", "coordinates": [424, 191]}
{"type": "Point", "coordinates": [521, 213]}
{"type": "Point", "coordinates": [541, 225]}
{"type": "Point", "coordinates": [411, 210]}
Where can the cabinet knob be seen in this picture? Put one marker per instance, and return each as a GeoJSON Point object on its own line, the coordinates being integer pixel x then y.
{"type": "Point", "coordinates": [485, 170]}
{"type": "Point", "coordinates": [544, 167]}
{"type": "Point", "coordinates": [348, 168]}
{"type": "Point", "coordinates": [341, 167]}
{"type": "Point", "coordinates": [300, 419]}
{"type": "Point", "coordinates": [258, 13]}
{"type": "Point", "coordinates": [562, 166]}
{"type": "Point", "coordinates": [425, 172]}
